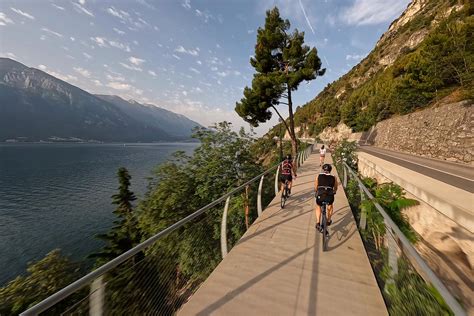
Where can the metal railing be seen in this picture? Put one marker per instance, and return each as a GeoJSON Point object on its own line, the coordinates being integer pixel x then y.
{"type": "Point", "coordinates": [399, 245]}
{"type": "Point", "coordinates": [146, 278]}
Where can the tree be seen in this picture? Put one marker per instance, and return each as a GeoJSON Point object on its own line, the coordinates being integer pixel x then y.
{"type": "Point", "coordinates": [282, 62]}
{"type": "Point", "coordinates": [125, 234]}
{"type": "Point", "coordinates": [44, 278]}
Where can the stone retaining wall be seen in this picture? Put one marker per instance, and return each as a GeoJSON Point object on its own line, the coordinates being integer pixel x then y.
{"type": "Point", "coordinates": [444, 132]}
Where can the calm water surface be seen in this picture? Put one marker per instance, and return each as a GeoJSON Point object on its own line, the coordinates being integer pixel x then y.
{"type": "Point", "coordinates": [58, 195]}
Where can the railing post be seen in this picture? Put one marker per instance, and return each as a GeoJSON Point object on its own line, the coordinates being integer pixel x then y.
{"type": "Point", "coordinates": [363, 211]}
{"type": "Point", "coordinates": [392, 252]}
{"type": "Point", "coordinates": [224, 229]}
{"type": "Point", "coordinates": [96, 298]}
{"type": "Point", "coordinates": [277, 173]}
{"type": "Point", "coordinates": [259, 197]}
{"type": "Point", "coordinates": [345, 176]}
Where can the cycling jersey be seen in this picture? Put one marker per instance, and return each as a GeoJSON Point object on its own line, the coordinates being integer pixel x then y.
{"type": "Point", "coordinates": [286, 167]}
{"type": "Point", "coordinates": [325, 191]}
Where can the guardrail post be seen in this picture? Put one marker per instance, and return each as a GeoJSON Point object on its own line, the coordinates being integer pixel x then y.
{"type": "Point", "coordinates": [259, 197]}
{"type": "Point", "coordinates": [96, 298]}
{"type": "Point", "coordinates": [277, 173]}
{"type": "Point", "coordinates": [392, 252]}
{"type": "Point", "coordinates": [224, 229]}
{"type": "Point", "coordinates": [363, 211]}
{"type": "Point", "coordinates": [345, 176]}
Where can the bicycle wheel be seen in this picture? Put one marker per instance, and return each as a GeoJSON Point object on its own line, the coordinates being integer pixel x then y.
{"type": "Point", "coordinates": [283, 197]}
{"type": "Point", "coordinates": [324, 226]}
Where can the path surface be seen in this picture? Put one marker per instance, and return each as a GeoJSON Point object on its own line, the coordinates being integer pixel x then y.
{"type": "Point", "coordinates": [278, 267]}
{"type": "Point", "coordinates": [460, 176]}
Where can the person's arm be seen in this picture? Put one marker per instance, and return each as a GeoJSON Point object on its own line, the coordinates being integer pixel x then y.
{"type": "Point", "coordinates": [293, 170]}
{"type": "Point", "coordinates": [335, 185]}
{"type": "Point", "coordinates": [316, 184]}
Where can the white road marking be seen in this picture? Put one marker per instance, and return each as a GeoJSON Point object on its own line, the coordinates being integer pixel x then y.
{"type": "Point", "coordinates": [445, 172]}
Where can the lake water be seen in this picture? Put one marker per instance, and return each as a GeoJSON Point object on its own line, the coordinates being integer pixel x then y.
{"type": "Point", "coordinates": [58, 195]}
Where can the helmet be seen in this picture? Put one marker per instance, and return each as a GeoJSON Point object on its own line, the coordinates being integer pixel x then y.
{"type": "Point", "coordinates": [327, 167]}
{"type": "Point", "coordinates": [288, 157]}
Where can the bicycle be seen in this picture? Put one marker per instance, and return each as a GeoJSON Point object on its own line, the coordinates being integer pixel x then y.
{"type": "Point", "coordinates": [324, 226]}
{"type": "Point", "coordinates": [285, 194]}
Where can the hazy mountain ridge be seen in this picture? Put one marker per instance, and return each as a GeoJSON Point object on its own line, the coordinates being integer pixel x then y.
{"type": "Point", "coordinates": [37, 106]}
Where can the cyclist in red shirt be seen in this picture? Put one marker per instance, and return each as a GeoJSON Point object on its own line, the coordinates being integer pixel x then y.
{"type": "Point", "coordinates": [287, 172]}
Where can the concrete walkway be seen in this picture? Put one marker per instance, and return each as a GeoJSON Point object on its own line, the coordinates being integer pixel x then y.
{"type": "Point", "coordinates": [278, 267]}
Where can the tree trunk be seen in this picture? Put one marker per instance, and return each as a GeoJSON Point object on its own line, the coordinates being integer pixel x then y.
{"type": "Point", "coordinates": [294, 143]}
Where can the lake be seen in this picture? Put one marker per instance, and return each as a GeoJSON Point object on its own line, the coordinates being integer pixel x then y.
{"type": "Point", "coordinates": [59, 195]}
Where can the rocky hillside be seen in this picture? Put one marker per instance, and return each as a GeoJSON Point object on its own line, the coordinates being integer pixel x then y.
{"type": "Point", "coordinates": [36, 106]}
{"type": "Point", "coordinates": [425, 55]}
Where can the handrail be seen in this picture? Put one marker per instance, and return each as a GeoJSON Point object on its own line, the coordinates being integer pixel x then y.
{"type": "Point", "coordinates": [90, 277]}
{"type": "Point", "coordinates": [413, 254]}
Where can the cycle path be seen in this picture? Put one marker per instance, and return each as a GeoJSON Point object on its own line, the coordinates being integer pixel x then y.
{"type": "Point", "coordinates": [278, 267]}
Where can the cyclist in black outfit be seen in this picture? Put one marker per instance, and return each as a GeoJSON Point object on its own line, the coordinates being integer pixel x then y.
{"type": "Point", "coordinates": [325, 186]}
{"type": "Point", "coordinates": [287, 170]}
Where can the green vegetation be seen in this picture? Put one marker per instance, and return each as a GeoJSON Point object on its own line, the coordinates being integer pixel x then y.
{"type": "Point", "coordinates": [406, 293]}
{"type": "Point", "coordinates": [442, 63]}
{"type": "Point", "coordinates": [282, 62]}
{"type": "Point", "coordinates": [44, 278]}
{"type": "Point", "coordinates": [125, 234]}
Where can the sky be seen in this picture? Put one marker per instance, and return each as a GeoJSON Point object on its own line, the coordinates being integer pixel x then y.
{"type": "Point", "coordinates": [187, 56]}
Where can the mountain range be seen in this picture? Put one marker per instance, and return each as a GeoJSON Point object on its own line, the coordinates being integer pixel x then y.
{"type": "Point", "coordinates": [35, 106]}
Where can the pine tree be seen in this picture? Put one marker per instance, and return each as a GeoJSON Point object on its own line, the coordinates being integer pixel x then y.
{"type": "Point", "coordinates": [282, 62]}
{"type": "Point", "coordinates": [125, 234]}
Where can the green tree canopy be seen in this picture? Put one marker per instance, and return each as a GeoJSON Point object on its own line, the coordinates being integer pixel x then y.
{"type": "Point", "coordinates": [282, 61]}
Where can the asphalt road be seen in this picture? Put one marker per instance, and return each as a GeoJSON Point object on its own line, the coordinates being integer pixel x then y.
{"type": "Point", "coordinates": [460, 176]}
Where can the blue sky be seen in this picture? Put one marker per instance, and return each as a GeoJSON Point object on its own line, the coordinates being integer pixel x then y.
{"type": "Point", "coordinates": [188, 56]}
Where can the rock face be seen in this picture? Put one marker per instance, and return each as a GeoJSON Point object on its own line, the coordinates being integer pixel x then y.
{"type": "Point", "coordinates": [443, 132]}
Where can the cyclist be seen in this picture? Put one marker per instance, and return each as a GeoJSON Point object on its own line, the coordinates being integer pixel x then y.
{"type": "Point", "coordinates": [325, 186]}
{"type": "Point", "coordinates": [322, 154]}
{"type": "Point", "coordinates": [287, 170]}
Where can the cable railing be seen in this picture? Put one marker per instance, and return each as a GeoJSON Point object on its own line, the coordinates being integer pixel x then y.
{"type": "Point", "coordinates": [159, 275]}
{"type": "Point", "coordinates": [404, 272]}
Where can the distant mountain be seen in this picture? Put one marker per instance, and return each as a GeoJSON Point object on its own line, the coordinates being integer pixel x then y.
{"type": "Point", "coordinates": [37, 106]}
{"type": "Point", "coordinates": [152, 116]}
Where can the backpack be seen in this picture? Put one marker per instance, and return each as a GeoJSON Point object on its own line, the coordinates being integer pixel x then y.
{"type": "Point", "coordinates": [286, 167]}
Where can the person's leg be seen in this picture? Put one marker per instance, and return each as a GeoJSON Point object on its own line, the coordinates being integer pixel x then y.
{"type": "Point", "coordinates": [318, 213]}
{"type": "Point", "coordinates": [330, 209]}
{"type": "Point", "coordinates": [321, 160]}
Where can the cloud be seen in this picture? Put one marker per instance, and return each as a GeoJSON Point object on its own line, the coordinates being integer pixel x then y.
{"type": "Point", "coordinates": [117, 77]}
{"type": "Point", "coordinates": [119, 85]}
{"type": "Point", "coordinates": [152, 73]}
{"type": "Point", "coordinates": [182, 50]}
{"type": "Point", "coordinates": [124, 47]}
{"type": "Point", "coordinates": [82, 71]}
{"type": "Point", "coordinates": [367, 12]}
{"type": "Point", "coordinates": [57, 6]}
{"type": "Point", "coordinates": [204, 15]}
{"type": "Point", "coordinates": [306, 17]}
{"type": "Point", "coordinates": [23, 13]}
{"type": "Point", "coordinates": [136, 61]}
{"type": "Point", "coordinates": [194, 70]}
{"type": "Point", "coordinates": [354, 57]}
{"type": "Point", "coordinates": [66, 78]}
{"type": "Point", "coordinates": [4, 19]}
{"type": "Point", "coordinates": [146, 4]}
{"type": "Point", "coordinates": [97, 83]}
{"type": "Point", "coordinates": [101, 41]}
{"type": "Point", "coordinates": [186, 4]}
{"type": "Point", "coordinates": [178, 58]}
{"type": "Point", "coordinates": [120, 32]}
{"type": "Point", "coordinates": [79, 8]}
{"type": "Point", "coordinates": [131, 67]}
{"type": "Point", "coordinates": [199, 62]}
{"type": "Point", "coordinates": [51, 32]}
{"type": "Point", "coordinates": [222, 74]}
{"type": "Point", "coordinates": [86, 55]}
{"type": "Point", "coordinates": [104, 42]}
{"type": "Point", "coordinates": [115, 13]}
{"type": "Point", "coordinates": [82, 2]}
